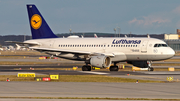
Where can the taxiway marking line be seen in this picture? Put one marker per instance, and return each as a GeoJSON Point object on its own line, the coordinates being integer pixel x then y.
{"type": "Point", "coordinates": [92, 72]}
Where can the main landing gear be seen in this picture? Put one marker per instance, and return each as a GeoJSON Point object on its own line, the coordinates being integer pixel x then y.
{"type": "Point", "coordinates": [113, 68]}
{"type": "Point", "coordinates": [149, 66]}
{"type": "Point", "coordinates": [150, 69]}
{"type": "Point", "coordinates": [86, 68]}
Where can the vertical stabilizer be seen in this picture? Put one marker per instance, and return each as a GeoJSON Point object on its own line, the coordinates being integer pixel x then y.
{"type": "Point", "coordinates": [39, 27]}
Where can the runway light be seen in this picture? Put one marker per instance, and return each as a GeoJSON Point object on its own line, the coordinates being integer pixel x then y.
{"type": "Point", "coordinates": [31, 68]}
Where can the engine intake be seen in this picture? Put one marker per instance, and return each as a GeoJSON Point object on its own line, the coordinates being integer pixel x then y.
{"type": "Point", "coordinates": [100, 61]}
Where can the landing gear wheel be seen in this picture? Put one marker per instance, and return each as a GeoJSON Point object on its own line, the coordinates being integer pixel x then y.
{"type": "Point", "coordinates": [86, 68]}
{"type": "Point", "coordinates": [150, 69]}
{"type": "Point", "coordinates": [113, 68]}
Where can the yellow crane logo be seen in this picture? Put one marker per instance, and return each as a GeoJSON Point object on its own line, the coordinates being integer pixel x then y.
{"type": "Point", "coordinates": [36, 21]}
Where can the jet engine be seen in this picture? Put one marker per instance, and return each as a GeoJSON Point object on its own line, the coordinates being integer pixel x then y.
{"type": "Point", "coordinates": [100, 61]}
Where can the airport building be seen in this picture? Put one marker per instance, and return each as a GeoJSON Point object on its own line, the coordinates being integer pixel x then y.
{"type": "Point", "coordinates": [173, 40]}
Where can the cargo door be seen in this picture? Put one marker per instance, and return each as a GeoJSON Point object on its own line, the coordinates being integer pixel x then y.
{"type": "Point", "coordinates": [51, 43]}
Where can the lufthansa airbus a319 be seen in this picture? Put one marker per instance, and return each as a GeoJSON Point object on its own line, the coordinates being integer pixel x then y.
{"type": "Point", "coordinates": [98, 52]}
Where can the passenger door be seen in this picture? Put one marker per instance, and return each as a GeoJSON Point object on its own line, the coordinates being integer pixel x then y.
{"type": "Point", "coordinates": [144, 47]}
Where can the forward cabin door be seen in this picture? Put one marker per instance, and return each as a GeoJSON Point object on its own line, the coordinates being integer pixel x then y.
{"type": "Point", "coordinates": [144, 47]}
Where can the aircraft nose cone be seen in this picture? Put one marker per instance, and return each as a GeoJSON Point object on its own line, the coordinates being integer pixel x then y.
{"type": "Point", "coordinates": [171, 52]}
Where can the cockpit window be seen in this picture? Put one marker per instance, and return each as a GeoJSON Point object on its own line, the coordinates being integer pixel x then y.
{"type": "Point", "coordinates": [156, 45]}
{"type": "Point", "coordinates": [164, 45]}
{"type": "Point", "coordinates": [160, 45]}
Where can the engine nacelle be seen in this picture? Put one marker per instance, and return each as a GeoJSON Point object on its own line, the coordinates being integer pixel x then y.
{"type": "Point", "coordinates": [100, 61]}
{"type": "Point", "coordinates": [141, 64]}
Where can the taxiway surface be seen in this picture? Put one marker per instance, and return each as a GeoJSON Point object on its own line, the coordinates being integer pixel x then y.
{"type": "Point", "coordinates": [80, 89]}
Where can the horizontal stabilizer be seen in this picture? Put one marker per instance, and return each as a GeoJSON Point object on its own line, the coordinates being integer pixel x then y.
{"type": "Point", "coordinates": [34, 43]}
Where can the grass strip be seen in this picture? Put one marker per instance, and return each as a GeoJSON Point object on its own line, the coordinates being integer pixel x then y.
{"type": "Point", "coordinates": [25, 63]}
{"type": "Point", "coordinates": [95, 98]}
{"type": "Point", "coordinates": [79, 78]}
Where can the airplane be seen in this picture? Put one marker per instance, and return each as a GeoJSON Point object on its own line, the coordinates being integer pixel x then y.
{"type": "Point", "coordinates": [95, 36]}
{"type": "Point", "coordinates": [98, 52]}
{"type": "Point", "coordinates": [18, 47]}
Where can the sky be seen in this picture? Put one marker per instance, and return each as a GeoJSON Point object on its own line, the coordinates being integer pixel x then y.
{"type": "Point", "coordinates": [100, 16]}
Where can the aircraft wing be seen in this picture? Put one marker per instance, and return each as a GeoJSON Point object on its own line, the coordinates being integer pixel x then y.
{"type": "Point", "coordinates": [71, 51]}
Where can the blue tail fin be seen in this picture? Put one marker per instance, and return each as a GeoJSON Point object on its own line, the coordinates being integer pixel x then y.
{"type": "Point", "coordinates": [39, 27]}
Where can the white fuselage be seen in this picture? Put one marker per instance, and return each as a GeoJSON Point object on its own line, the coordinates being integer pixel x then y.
{"type": "Point", "coordinates": [123, 49]}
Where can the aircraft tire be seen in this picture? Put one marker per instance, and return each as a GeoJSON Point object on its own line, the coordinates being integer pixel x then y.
{"type": "Point", "coordinates": [113, 68]}
{"type": "Point", "coordinates": [86, 68]}
{"type": "Point", "coordinates": [150, 69]}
